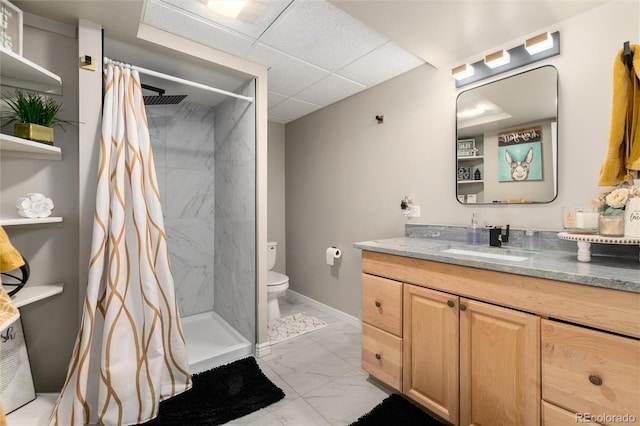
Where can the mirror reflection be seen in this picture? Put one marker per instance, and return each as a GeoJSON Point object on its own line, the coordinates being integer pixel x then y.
{"type": "Point", "coordinates": [507, 140]}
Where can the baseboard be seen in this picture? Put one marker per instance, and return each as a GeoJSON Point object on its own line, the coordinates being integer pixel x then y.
{"type": "Point", "coordinates": [263, 349]}
{"type": "Point", "coordinates": [350, 319]}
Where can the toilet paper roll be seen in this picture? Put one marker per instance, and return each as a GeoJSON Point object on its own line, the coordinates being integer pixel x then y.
{"type": "Point", "coordinates": [332, 254]}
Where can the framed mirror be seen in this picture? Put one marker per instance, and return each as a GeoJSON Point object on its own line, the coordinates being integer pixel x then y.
{"type": "Point", "coordinates": [506, 140]}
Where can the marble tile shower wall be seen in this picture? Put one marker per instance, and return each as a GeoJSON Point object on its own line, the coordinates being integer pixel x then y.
{"type": "Point", "coordinates": [235, 213]}
{"type": "Point", "coordinates": [183, 148]}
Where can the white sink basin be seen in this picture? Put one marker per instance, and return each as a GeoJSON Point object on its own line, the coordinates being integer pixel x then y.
{"type": "Point", "coordinates": [498, 256]}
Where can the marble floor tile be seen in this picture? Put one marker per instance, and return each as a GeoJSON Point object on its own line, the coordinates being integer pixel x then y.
{"type": "Point", "coordinates": [320, 374]}
{"type": "Point", "coordinates": [346, 398]}
{"type": "Point", "coordinates": [310, 367]}
{"type": "Point", "coordinates": [296, 413]}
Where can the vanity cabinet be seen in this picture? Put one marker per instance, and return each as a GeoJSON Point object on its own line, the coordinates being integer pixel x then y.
{"type": "Point", "coordinates": [470, 362]}
{"type": "Point", "coordinates": [484, 347]}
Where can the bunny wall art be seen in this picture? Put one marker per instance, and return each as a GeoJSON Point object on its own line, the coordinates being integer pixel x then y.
{"type": "Point", "coordinates": [519, 169]}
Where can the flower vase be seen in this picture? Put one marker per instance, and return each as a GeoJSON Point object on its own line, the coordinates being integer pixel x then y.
{"type": "Point", "coordinates": [611, 226]}
{"type": "Point", "coordinates": [632, 218]}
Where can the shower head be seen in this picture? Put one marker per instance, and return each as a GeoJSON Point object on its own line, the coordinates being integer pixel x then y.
{"type": "Point", "coordinates": [160, 98]}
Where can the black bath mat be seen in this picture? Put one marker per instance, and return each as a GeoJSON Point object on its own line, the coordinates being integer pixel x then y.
{"type": "Point", "coordinates": [220, 395]}
{"type": "Point", "coordinates": [395, 410]}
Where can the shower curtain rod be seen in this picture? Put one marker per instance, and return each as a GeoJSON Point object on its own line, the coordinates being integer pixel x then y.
{"type": "Point", "coordinates": [177, 79]}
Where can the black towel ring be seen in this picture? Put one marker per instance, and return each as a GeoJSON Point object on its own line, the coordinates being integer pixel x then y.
{"type": "Point", "coordinates": [25, 271]}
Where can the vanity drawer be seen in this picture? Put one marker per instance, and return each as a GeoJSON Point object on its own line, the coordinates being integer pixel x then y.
{"type": "Point", "coordinates": [588, 371]}
{"type": "Point", "coordinates": [382, 303]}
{"type": "Point", "coordinates": [556, 416]}
{"type": "Point", "coordinates": [382, 356]}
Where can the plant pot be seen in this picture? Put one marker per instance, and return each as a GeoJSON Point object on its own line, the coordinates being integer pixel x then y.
{"type": "Point", "coordinates": [34, 132]}
{"type": "Point", "coordinates": [611, 226]}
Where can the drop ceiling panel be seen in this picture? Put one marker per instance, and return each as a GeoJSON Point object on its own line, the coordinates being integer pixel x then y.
{"type": "Point", "coordinates": [321, 34]}
{"type": "Point", "coordinates": [382, 64]}
{"type": "Point", "coordinates": [330, 90]}
{"type": "Point", "coordinates": [254, 18]}
{"type": "Point", "coordinates": [275, 99]}
{"type": "Point", "coordinates": [292, 108]}
{"type": "Point", "coordinates": [178, 21]}
{"type": "Point", "coordinates": [287, 75]}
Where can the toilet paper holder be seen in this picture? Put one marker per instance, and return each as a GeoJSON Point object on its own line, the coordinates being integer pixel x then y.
{"type": "Point", "coordinates": [331, 254]}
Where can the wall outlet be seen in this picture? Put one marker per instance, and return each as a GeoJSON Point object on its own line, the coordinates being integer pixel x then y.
{"type": "Point", "coordinates": [413, 211]}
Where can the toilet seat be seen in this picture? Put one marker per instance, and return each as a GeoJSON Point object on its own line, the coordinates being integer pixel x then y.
{"type": "Point", "coordinates": [276, 278]}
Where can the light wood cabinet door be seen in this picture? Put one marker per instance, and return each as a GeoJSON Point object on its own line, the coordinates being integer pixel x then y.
{"type": "Point", "coordinates": [499, 366]}
{"type": "Point", "coordinates": [430, 350]}
{"type": "Point", "coordinates": [556, 416]}
{"type": "Point", "coordinates": [589, 371]}
{"type": "Point", "coordinates": [382, 303]}
{"type": "Point", "coordinates": [382, 356]}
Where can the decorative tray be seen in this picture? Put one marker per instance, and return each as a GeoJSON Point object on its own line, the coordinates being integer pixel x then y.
{"type": "Point", "coordinates": [585, 240]}
{"type": "Point", "coordinates": [595, 238]}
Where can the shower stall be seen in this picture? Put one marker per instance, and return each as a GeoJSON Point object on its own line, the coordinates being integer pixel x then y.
{"type": "Point", "coordinates": [205, 162]}
{"type": "Point", "coordinates": [205, 165]}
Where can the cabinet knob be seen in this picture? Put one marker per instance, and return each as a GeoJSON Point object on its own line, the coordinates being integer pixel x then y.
{"type": "Point", "coordinates": [596, 380]}
{"type": "Point", "coordinates": [378, 356]}
{"type": "Point", "coordinates": [450, 303]}
{"type": "Point", "coordinates": [378, 304]}
{"type": "Point", "coordinates": [463, 307]}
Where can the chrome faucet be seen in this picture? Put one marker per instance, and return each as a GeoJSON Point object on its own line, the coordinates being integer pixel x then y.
{"type": "Point", "coordinates": [496, 237]}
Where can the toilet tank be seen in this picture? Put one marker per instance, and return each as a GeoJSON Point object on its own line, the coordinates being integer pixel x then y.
{"type": "Point", "coordinates": [271, 255]}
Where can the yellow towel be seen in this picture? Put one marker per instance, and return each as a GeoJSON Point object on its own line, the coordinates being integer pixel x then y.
{"type": "Point", "coordinates": [10, 258]}
{"type": "Point", "coordinates": [8, 311]}
{"type": "Point", "coordinates": [623, 152]}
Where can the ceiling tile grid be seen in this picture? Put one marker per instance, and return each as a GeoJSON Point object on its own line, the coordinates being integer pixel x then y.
{"type": "Point", "coordinates": [316, 53]}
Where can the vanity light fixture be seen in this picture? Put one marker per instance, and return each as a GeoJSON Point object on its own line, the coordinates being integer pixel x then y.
{"type": "Point", "coordinates": [539, 43]}
{"type": "Point", "coordinates": [463, 71]}
{"type": "Point", "coordinates": [497, 59]}
{"type": "Point", "coordinates": [227, 8]}
{"type": "Point", "coordinates": [538, 48]}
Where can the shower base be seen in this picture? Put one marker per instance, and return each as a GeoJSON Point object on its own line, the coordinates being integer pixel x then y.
{"type": "Point", "coordinates": [212, 342]}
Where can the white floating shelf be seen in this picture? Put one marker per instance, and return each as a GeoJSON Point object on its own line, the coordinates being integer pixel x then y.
{"type": "Point", "coordinates": [36, 412]}
{"type": "Point", "coordinates": [472, 157]}
{"type": "Point", "coordinates": [18, 71]}
{"type": "Point", "coordinates": [19, 221]}
{"type": "Point", "coordinates": [29, 294]}
{"type": "Point", "coordinates": [470, 181]}
{"type": "Point", "coordinates": [18, 147]}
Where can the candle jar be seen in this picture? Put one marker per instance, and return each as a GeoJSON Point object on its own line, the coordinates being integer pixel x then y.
{"type": "Point", "coordinates": [611, 226]}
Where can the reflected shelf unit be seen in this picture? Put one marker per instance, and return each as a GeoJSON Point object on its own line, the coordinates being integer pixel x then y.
{"type": "Point", "coordinates": [12, 146]}
{"type": "Point", "coordinates": [20, 72]}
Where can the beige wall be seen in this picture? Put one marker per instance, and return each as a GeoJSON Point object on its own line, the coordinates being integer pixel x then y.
{"type": "Point", "coordinates": [346, 175]}
{"type": "Point", "coordinates": [275, 193]}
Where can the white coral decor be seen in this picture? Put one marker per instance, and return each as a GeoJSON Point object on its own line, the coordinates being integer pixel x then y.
{"type": "Point", "coordinates": [34, 206]}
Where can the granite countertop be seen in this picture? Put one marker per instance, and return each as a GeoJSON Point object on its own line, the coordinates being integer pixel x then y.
{"type": "Point", "coordinates": [561, 265]}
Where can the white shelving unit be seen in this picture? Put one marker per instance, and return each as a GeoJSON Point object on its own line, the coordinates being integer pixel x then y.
{"type": "Point", "coordinates": [12, 146]}
{"type": "Point", "coordinates": [21, 72]}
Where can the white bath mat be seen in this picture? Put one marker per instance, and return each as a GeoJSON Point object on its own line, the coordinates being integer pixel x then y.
{"type": "Point", "coordinates": [295, 325]}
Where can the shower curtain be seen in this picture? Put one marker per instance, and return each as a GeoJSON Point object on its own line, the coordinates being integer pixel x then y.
{"type": "Point", "coordinates": [130, 352]}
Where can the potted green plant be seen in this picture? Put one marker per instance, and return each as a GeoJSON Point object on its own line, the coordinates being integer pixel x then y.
{"type": "Point", "coordinates": [35, 116]}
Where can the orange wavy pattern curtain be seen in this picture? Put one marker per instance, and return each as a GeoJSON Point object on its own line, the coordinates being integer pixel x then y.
{"type": "Point", "coordinates": [130, 352]}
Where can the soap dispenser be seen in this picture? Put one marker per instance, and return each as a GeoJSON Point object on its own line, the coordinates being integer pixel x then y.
{"type": "Point", "coordinates": [474, 233]}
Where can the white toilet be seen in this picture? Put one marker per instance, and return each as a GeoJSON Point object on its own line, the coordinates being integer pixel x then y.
{"type": "Point", "coordinates": [277, 283]}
